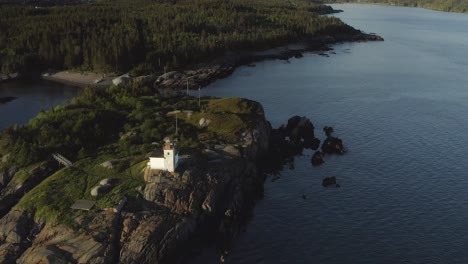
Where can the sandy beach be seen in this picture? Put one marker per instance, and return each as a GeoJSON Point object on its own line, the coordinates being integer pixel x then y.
{"type": "Point", "coordinates": [80, 79]}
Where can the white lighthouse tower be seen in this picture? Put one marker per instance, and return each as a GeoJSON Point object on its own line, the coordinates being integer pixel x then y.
{"type": "Point", "coordinates": [171, 156]}
{"type": "Point", "coordinates": [169, 159]}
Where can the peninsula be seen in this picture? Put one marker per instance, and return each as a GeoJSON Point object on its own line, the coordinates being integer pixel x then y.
{"type": "Point", "coordinates": [104, 202]}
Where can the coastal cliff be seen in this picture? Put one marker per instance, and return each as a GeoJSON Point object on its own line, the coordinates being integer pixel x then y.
{"type": "Point", "coordinates": [165, 214]}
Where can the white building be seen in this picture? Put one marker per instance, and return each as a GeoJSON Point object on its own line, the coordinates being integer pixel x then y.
{"type": "Point", "coordinates": [167, 160]}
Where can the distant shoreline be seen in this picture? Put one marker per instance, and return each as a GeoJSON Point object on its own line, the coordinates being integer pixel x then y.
{"type": "Point", "coordinates": [203, 74]}
{"type": "Point", "coordinates": [397, 5]}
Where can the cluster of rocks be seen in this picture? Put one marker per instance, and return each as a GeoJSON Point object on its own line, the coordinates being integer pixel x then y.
{"type": "Point", "coordinates": [290, 140]}
{"type": "Point", "coordinates": [11, 190]}
{"type": "Point", "coordinates": [8, 76]}
{"type": "Point", "coordinates": [193, 78]}
{"type": "Point", "coordinates": [331, 145]}
{"type": "Point", "coordinates": [104, 186]}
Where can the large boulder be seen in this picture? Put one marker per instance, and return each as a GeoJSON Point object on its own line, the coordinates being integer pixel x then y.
{"type": "Point", "coordinates": [333, 145]}
{"type": "Point", "coordinates": [204, 122]}
{"type": "Point", "coordinates": [293, 122]}
{"type": "Point", "coordinates": [100, 189]}
{"type": "Point", "coordinates": [108, 164]}
{"type": "Point", "coordinates": [107, 181]}
{"type": "Point", "coordinates": [121, 80]}
{"type": "Point", "coordinates": [6, 157]}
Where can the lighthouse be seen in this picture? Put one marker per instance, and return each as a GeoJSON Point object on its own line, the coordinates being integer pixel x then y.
{"type": "Point", "coordinates": [169, 159]}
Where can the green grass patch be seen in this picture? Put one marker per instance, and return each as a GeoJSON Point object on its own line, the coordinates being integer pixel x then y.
{"type": "Point", "coordinates": [23, 174]}
{"type": "Point", "coordinates": [235, 105]}
{"type": "Point", "coordinates": [223, 126]}
{"type": "Point", "coordinates": [51, 200]}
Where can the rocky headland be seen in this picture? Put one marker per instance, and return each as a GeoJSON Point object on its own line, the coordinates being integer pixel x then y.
{"type": "Point", "coordinates": [209, 193]}
{"type": "Point", "coordinates": [146, 215]}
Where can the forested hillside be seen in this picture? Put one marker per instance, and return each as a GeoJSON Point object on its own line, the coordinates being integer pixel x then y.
{"type": "Point", "coordinates": [143, 35]}
{"type": "Point", "coordinates": [442, 5]}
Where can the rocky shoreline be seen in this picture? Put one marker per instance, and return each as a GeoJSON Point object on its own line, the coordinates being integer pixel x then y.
{"type": "Point", "coordinates": [204, 74]}
{"type": "Point", "coordinates": [201, 75]}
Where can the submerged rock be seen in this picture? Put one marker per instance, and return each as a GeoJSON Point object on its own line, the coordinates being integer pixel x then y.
{"type": "Point", "coordinates": [329, 181]}
{"type": "Point", "coordinates": [317, 158]}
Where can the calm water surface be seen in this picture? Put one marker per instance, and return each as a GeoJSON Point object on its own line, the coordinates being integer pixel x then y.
{"type": "Point", "coordinates": [33, 96]}
{"type": "Point", "coordinates": [401, 108]}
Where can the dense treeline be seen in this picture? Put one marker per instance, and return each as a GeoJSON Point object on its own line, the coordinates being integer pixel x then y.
{"type": "Point", "coordinates": [129, 119]}
{"type": "Point", "coordinates": [117, 36]}
{"type": "Point", "coordinates": [442, 5]}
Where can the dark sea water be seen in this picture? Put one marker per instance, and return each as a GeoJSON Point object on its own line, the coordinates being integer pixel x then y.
{"type": "Point", "coordinates": [33, 96]}
{"type": "Point", "coordinates": [401, 107]}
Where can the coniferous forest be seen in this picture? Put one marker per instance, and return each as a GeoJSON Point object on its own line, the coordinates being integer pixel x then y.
{"type": "Point", "coordinates": [150, 36]}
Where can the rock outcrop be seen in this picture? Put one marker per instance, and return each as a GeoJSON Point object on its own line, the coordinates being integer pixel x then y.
{"type": "Point", "coordinates": [317, 158]}
{"type": "Point", "coordinates": [14, 188]}
{"type": "Point", "coordinates": [193, 78]}
{"type": "Point", "coordinates": [288, 141]}
{"type": "Point", "coordinates": [332, 145]}
{"type": "Point", "coordinates": [63, 244]}
{"type": "Point", "coordinates": [15, 227]}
